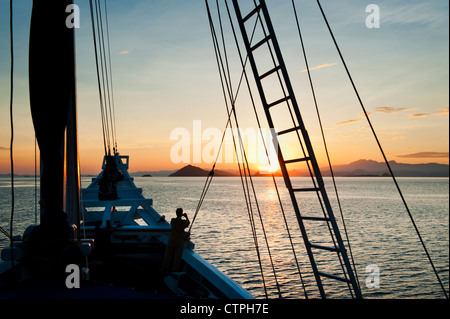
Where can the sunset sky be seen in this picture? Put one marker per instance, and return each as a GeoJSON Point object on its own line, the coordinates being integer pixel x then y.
{"type": "Point", "coordinates": [166, 78]}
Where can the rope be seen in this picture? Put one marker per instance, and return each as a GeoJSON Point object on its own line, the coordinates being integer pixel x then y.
{"type": "Point", "coordinates": [104, 75]}
{"type": "Point", "coordinates": [103, 71]}
{"type": "Point", "coordinates": [98, 77]}
{"type": "Point", "coordinates": [323, 138]}
{"type": "Point", "coordinates": [4, 232]}
{"type": "Point", "coordinates": [217, 55]}
{"type": "Point", "coordinates": [247, 169]}
{"type": "Point", "coordinates": [106, 79]}
{"type": "Point", "coordinates": [111, 78]}
{"type": "Point", "coordinates": [243, 64]}
{"type": "Point", "coordinates": [202, 196]}
{"type": "Point", "coordinates": [293, 118]}
{"type": "Point", "coordinates": [35, 182]}
{"type": "Point", "coordinates": [382, 151]}
{"type": "Point", "coordinates": [302, 147]}
{"type": "Point", "coordinates": [11, 117]}
{"type": "Point", "coordinates": [246, 166]}
{"type": "Point", "coordinates": [211, 174]}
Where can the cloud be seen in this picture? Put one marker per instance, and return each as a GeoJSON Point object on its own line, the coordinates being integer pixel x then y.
{"type": "Point", "coordinates": [426, 15]}
{"type": "Point", "coordinates": [392, 110]}
{"type": "Point", "coordinates": [393, 138]}
{"type": "Point", "coordinates": [425, 155]}
{"type": "Point", "coordinates": [389, 110]}
{"type": "Point", "coordinates": [124, 52]}
{"type": "Point", "coordinates": [347, 122]}
{"type": "Point", "coordinates": [440, 112]}
{"type": "Point", "coordinates": [2, 148]}
{"type": "Point", "coordinates": [443, 111]}
{"type": "Point", "coordinates": [364, 128]}
{"type": "Point", "coordinates": [420, 115]}
{"type": "Point", "coordinates": [326, 65]}
{"type": "Point", "coordinates": [363, 116]}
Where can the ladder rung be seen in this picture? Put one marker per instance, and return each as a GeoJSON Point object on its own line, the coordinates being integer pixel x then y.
{"type": "Point", "coordinates": [248, 16]}
{"type": "Point", "coordinates": [324, 247]}
{"type": "Point", "coordinates": [297, 160]}
{"type": "Point", "coordinates": [278, 101]}
{"type": "Point", "coordinates": [260, 43]}
{"type": "Point", "coordinates": [321, 219]}
{"type": "Point", "coordinates": [270, 72]}
{"type": "Point", "coordinates": [324, 274]}
{"type": "Point", "coordinates": [311, 189]}
{"type": "Point", "coordinates": [289, 130]}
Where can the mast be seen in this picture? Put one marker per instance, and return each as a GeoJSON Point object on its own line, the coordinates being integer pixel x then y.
{"type": "Point", "coordinates": [52, 102]}
{"type": "Point", "coordinates": [72, 172]}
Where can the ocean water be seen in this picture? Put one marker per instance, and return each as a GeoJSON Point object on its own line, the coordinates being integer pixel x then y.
{"type": "Point", "coordinates": [380, 232]}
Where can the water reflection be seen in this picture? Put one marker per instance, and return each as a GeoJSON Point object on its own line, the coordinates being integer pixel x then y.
{"type": "Point", "coordinates": [379, 230]}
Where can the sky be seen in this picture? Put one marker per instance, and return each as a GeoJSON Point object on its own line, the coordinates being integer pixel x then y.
{"type": "Point", "coordinates": [166, 81]}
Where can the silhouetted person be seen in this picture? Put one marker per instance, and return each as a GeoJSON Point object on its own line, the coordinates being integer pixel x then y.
{"type": "Point", "coordinates": [106, 186]}
{"type": "Point", "coordinates": [174, 250]}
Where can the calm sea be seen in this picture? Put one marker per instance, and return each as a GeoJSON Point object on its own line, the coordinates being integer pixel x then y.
{"type": "Point", "coordinates": [380, 232]}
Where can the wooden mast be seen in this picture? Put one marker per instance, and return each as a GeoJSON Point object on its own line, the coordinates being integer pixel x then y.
{"type": "Point", "coordinates": [52, 102]}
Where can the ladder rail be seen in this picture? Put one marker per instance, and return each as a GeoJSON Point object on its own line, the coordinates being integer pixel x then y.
{"type": "Point", "coordinates": [299, 127]}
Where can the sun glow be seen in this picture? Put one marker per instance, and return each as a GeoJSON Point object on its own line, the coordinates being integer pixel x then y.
{"type": "Point", "coordinates": [271, 165]}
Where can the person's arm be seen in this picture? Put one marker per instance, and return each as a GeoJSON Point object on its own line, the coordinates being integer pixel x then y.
{"type": "Point", "coordinates": [187, 219]}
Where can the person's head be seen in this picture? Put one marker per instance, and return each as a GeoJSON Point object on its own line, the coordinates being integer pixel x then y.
{"type": "Point", "coordinates": [179, 212]}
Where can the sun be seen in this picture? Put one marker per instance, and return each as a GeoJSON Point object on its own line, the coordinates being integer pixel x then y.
{"type": "Point", "coordinates": [269, 168]}
{"type": "Point", "coordinates": [273, 167]}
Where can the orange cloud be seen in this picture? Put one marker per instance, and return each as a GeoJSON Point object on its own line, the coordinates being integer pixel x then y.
{"type": "Point", "coordinates": [363, 116]}
{"type": "Point", "coordinates": [389, 110]}
{"type": "Point", "coordinates": [393, 138]}
{"type": "Point", "coordinates": [425, 155]}
{"type": "Point", "coordinates": [420, 115]}
{"type": "Point", "coordinates": [347, 122]}
{"type": "Point", "coordinates": [443, 111]}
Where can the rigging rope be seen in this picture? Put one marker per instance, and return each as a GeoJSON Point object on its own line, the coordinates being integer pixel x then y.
{"type": "Point", "coordinates": [11, 117]}
{"type": "Point", "coordinates": [218, 57]}
{"type": "Point", "coordinates": [4, 232]}
{"type": "Point", "coordinates": [104, 75]}
{"type": "Point", "coordinates": [381, 150]}
{"type": "Point", "coordinates": [323, 138]}
{"type": "Point", "coordinates": [290, 107]}
{"type": "Point", "coordinates": [247, 169]}
{"type": "Point", "coordinates": [98, 77]}
{"type": "Point", "coordinates": [35, 182]}
{"type": "Point", "coordinates": [243, 64]}
{"type": "Point", "coordinates": [111, 79]}
{"type": "Point", "coordinates": [224, 70]}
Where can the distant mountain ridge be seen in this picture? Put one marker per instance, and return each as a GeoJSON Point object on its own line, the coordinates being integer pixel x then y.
{"type": "Point", "coordinates": [190, 170]}
{"type": "Point", "coordinates": [374, 168]}
{"type": "Point", "coordinates": [361, 167]}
